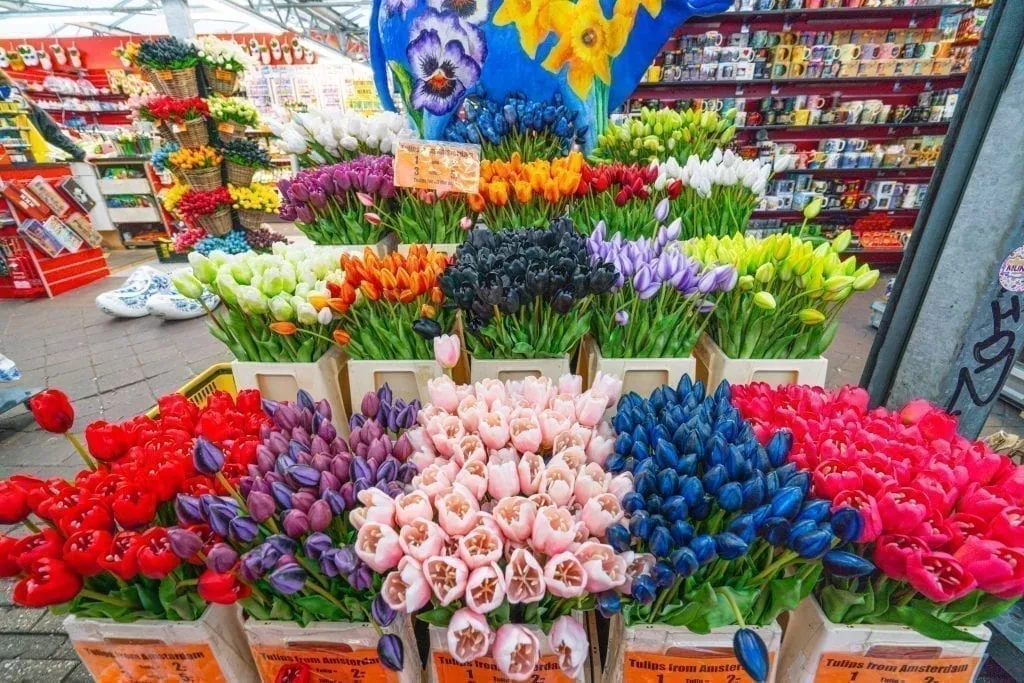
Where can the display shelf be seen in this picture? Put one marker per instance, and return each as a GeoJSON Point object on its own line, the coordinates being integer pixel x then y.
{"type": "Point", "coordinates": [669, 85]}
{"type": "Point", "coordinates": [860, 127]}
{"type": "Point", "coordinates": [796, 213]}
{"type": "Point", "coordinates": [96, 96]}
{"type": "Point", "coordinates": [110, 186]}
{"type": "Point", "coordinates": [861, 172]}
{"type": "Point", "coordinates": [134, 214]}
{"type": "Point", "coordinates": [840, 12]}
{"type": "Point", "coordinates": [28, 166]}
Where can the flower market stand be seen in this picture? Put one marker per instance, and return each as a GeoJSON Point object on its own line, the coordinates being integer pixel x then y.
{"type": "Point", "coordinates": [332, 651]}
{"type": "Point", "coordinates": [407, 378]}
{"type": "Point", "coordinates": [815, 649]}
{"type": "Point", "coordinates": [672, 653]}
{"type": "Point", "coordinates": [280, 381]}
{"type": "Point", "coordinates": [211, 649]}
{"type": "Point", "coordinates": [443, 668]}
{"type": "Point", "coordinates": [713, 366]}
{"type": "Point", "coordinates": [513, 369]}
{"type": "Point", "coordinates": [642, 375]}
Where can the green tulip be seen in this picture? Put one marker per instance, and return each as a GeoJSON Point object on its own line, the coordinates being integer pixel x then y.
{"type": "Point", "coordinates": [241, 272]}
{"type": "Point", "coordinates": [272, 283]}
{"type": "Point", "coordinates": [305, 313]}
{"type": "Point", "coordinates": [813, 208]}
{"type": "Point", "coordinates": [838, 282]}
{"type": "Point", "coordinates": [203, 268]}
{"type": "Point", "coordinates": [187, 284]}
{"type": "Point", "coordinates": [865, 281]}
{"type": "Point", "coordinates": [252, 301]}
{"type": "Point", "coordinates": [811, 316]}
{"type": "Point", "coordinates": [842, 241]}
{"type": "Point", "coordinates": [765, 301]}
{"type": "Point", "coordinates": [765, 273]}
{"type": "Point", "coordinates": [281, 308]}
{"type": "Point", "coordinates": [227, 288]}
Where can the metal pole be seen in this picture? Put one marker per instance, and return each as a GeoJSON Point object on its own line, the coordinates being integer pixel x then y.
{"type": "Point", "coordinates": [179, 19]}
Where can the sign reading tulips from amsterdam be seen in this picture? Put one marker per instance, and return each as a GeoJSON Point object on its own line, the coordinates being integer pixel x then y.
{"type": "Point", "coordinates": [138, 661]}
{"type": "Point", "coordinates": [715, 665]}
{"type": "Point", "coordinates": [485, 670]}
{"type": "Point", "coordinates": [438, 166]}
{"type": "Point", "coordinates": [321, 662]}
{"type": "Point", "coordinates": [839, 667]}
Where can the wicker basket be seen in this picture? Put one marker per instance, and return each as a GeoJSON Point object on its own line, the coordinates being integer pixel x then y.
{"type": "Point", "coordinates": [253, 220]}
{"type": "Point", "coordinates": [239, 176]}
{"type": "Point", "coordinates": [218, 223]}
{"type": "Point", "coordinates": [220, 81]}
{"type": "Point", "coordinates": [177, 82]}
{"type": "Point", "coordinates": [229, 130]}
{"type": "Point", "coordinates": [192, 133]}
{"type": "Point", "coordinates": [204, 179]}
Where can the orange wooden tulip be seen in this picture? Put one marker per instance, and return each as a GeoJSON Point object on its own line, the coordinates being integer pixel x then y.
{"type": "Point", "coordinates": [370, 290]}
{"type": "Point", "coordinates": [477, 202]}
{"type": "Point", "coordinates": [318, 301]}
{"type": "Point", "coordinates": [337, 305]}
{"type": "Point", "coordinates": [341, 336]}
{"type": "Point", "coordinates": [427, 311]}
{"type": "Point", "coordinates": [285, 328]}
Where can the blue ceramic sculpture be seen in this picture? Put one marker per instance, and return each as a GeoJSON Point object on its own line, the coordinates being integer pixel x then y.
{"type": "Point", "coordinates": [590, 54]}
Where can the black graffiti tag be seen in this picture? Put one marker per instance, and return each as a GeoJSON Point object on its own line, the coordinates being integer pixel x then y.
{"type": "Point", "coordinates": [1000, 347]}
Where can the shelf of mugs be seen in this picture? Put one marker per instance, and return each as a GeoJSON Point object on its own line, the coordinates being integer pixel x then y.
{"type": "Point", "coordinates": [861, 172]}
{"type": "Point", "coordinates": [794, 213]}
{"type": "Point", "coordinates": [809, 10]}
{"type": "Point", "coordinates": [674, 85]}
{"type": "Point", "coordinates": [845, 126]}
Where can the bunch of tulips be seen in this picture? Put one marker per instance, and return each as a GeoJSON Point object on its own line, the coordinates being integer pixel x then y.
{"type": "Point", "coordinates": [194, 204]}
{"type": "Point", "coordinates": [100, 545]}
{"type": "Point", "coordinates": [662, 133]}
{"type": "Point", "coordinates": [942, 515]}
{"type": "Point", "coordinates": [177, 110]}
{"type": "Point", "coordinates": [525, 293]}
{"type": "Point", "coordinates": [661, 299]}
{"type": "Point", "coordinates": [503, 529]}
{"type": "Point", "coordinates": [340, 204]}
{"type": "Point", "coordinates": [623, 197]}
{"type": "Point", "coordinates": [518, 194]}
{"type": "Point", "coordinates": [194, 158]}
{"type": "Point", "coordinates": [400, 311]}
{"type": "Point", "coordinates": [320, 137]}
{"type": "Point", "coordinates": [788, 296]}
{"type": "Point", "coordinates": [233, 110]}
{"type": "Point", "coordinates": [280, 306]}
{"type": "Point", "coordinates": [721, 530]}
{"type": "Point", "coordinates": [256, 197]}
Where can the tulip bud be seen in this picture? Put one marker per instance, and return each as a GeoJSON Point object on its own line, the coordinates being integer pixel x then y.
{"type": "Point", "coordinates": [811, 316]}
{"type": "Point", "coordinates": [295, 523]}
{"type": "Point", "coordinates": [319, 515]}
{"type": "Point", "coordinates": [221, 557]}
{"type": "Point", "coordinates": [813, 208]}
{"type": "Point", "coordinates": [187, 284]}
{"type": "Point", "coordinates": [765, 301]}
{"type": "Point", "coordinates": [202, 267]}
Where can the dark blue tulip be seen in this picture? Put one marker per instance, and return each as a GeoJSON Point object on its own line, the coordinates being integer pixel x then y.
{"type": "Point", "coordinates": [346, 560]}
{"type": "Point", "coordinates": [701, 510]}
{"type": "Point", "coordinates": [760, 514]}
{"type": "Point", "coordinates": [390, 652]}
{"type": "Point", "coordinates": [633, 502]}
{"type": "Point", "coordinates": [207, 458]}
{"type": "Point", "coordinates": [666, 455]}
{"type": "Point", "coordinates": [382, 612]}
{"type": "Point", "coordinates": [282, 494]}
{"type": "Point", "coordinates": [288, 579]}
{"type": "Point", "coordinates": [800, 480]}
{"type": "Point", "coordinates": [692, 490]}
{"type": "Point", "coordinates": [744, 527]}
{"type": "Point", "coordinates": [653, 505]}
{"type": "Point", "coordinates": [687, 465]}
{"type": "Point", "coordinates": [753, 491]}
{"type": "Point", "coordinates": [615, 463]}
{"type": "Point", "coordinates": [668, 482]}
{"type": "Point", "coordinates": [771, 484]}
{"type": "Point", "coordinates": [640, 525]}
{"type": "Point", "coordinates": [714, 479]}
{"type": "Point", "coordinates": [282, 544]}
{"type": "Point", "coordinates": [663, 574]}
{"type": "Point", "coordinates": [644, 589]}
{"type": "Point", "coordinates": [784, 472]}
{"type": "Point", "coordinates": [846, 565]}
{"type": "Point", "coordinates": [682, 532]}
{"type": "Point", "coordinates": [814, 510]}
{"type": "Point", "coordinates": [800, 528]}
{"type": "Point", "coordinates": [609, 603]}
{"type": "Point", "coordinates": [658, 519]}
{"type": "Point", "coordinates": [730, 497]}
{"type": "Point", "coordinates": [640, 434]}
{"type": "Point", "coordinates": [674, 508]}
{"type": "Point", "coordinates": [640, 450]}
{"type": "Point", "coordinates": [752, 654]}
{"type": "Point", "coordinates": [703, 548]}
{"type": "Point", "coordinates": [188, 509]}
{"type": "Point", "coordinates": [778, 447]}
{"type": "Point", "coordinates": [775, 530]}
{"type": "Point", "coordinates": [684, 386]}
{"type": "Point", "coordinates": [243, 529]}
{"type": "Point", "coordinates": [684, 562]}
{"type": "Point", "coordinates": [618, 537]}
{"type": "Point", "coordinates": [786, 502]}
{"type": "Point", "coordinates": [624, 426]}
{"type": "Point", "coordinates": [649, 466]}
{"type": "Point", "coordinates": [219, 517]}
{"type": "Point", "coordinates": [846, 524]}
{"type": "Point", "coordinates": [813, 544]}
{"type": "Point", "coordinates": [646, 484]}
{"type": "Point", "coordinates": [630, 464]}
{"type": "Point", "coordinates": [661, 543]}
{"type": "Point", "coordinates": [316, 543]}
{"type": "Point", "coordinates": [729, 546]}
{"type": "Point", "coordinates": [304, 475]}
{"type": "Point", "coordinates": [335, 501]}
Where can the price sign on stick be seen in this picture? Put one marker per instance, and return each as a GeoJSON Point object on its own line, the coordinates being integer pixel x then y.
{"type": "Point", "coordinates": [439, 166]}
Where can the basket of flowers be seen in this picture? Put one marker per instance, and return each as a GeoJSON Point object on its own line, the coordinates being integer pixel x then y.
{"type": "Point", "coordinates": [199, 166]}
{"type": "Point", "coordinates": [231, 116]}
{"type": "Point", "coordinates": [242, 158]}
{"type": "Point", "coordinates": [185, 117]}
{"type": "Point", "coordinates": [210, 209]}
{"type": "Point", "coordinates": [221, 61]}
{"type": "Point", "coordinates": [255, 204]}
{"type": "Point", "coordinates": [170, 65]}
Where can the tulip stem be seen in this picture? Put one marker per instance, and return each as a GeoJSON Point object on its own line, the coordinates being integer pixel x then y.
{"type": "Point", "coordinates": [330, 598]}
{"type": "Point", "coordinates": [784, 559]}
{"type": "Point", "coordinates": [232, 490]}
{"type": "Point", "coordinates": [30, 525]}
{"type": "Point", "coordinates": [89, 462]}
{"type": "Point", "coordinates": [87, 593]}
{"type": "Point", "coordinates": [727, 594]}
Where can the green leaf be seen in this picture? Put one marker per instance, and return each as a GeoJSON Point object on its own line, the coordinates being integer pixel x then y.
{"type": "Point", "coordinates": [836, 602]}
{"type": "Point", "coordinates": [499, 615]}
{"type": "Point", "coordinates": [168, 590]}
{"type": "Point", "coordinates": [280, 610]}
{"type": "Point", "coordinates": [986, 612]}
{"type": "Point", "coordinates": [439, 616]}
{"type": "Point", "coordinates": [968, 603]}
{"type": "Point", "coordinates": [148, 597]}
{"type": "Point", "coordinates": [706, 595]}
{"type": "Point", "coordinates": [182, 607]}
{"type": "Point", "coordinates": [682, 615]}
{"type": "Point", "coordinates": [523, 347]}
{"type": "Point", "coordinates": [785, 595]}
{"type": "Point", "coordinates": [320, 607]}
{"type": "Point", "coordinates": [926, 624]}
{"type": "Point", "coordinates": [531, 615]}
{"type": "Point", "coordinates": [810, 581]}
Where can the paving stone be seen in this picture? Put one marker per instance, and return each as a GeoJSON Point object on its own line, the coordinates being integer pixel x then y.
{"type": "Point", "coordinates": [31, 646]}
{"type": "Point", "coordinates": [18, 620]}
{"type": "Point", "coordinates": [34, 670]}
{"type": "Point", "coordinates": [6, 592]}
{"type": "Point", "coordinates": [78, 675]}
{"type": "Point", "coordinates": [49, 623]}
{"type": "Point", "coordinates": [66, 650]}
{"type": "Point", "coordinates": [122, 378]}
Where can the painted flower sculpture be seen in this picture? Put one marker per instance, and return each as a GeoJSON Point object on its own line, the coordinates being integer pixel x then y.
{"type": "Point", "coordinates": [943, 517]}
{"type": "Point", "coordinates": [503, 529]}
{"type": "Point", "coordinates": [589, 53]}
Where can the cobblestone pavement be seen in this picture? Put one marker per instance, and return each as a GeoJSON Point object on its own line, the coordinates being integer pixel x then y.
{"type": "Point", "coordinates": [114, 369]}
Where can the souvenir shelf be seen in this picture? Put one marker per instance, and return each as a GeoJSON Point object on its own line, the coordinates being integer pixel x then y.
{"type": "Point", "coordinates": [130, 188]}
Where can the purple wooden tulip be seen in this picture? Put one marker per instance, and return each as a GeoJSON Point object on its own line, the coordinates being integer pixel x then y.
{"type": "Point", "coordinates": [245, 485]}
{"type": "Point", "coordinates": [361, 469]}
{"type": "Point", "coordinates": [277, 443]}
{"type": "Point", "coordinates": [295, 523]}
{"type": "Point", "coordinates": [318, 446]}
{"type": "Point", "coordinates": [221, 557]}
{"type": "Point", "coordinates": [265, 458]}
{"type": "Point", "coordinates": [184, 543]}
{"type": "Point", "coordinates": [243, 529]}
{"type": "Point", "coordinates": [327, 431]}
{"type": "Point", "coordinates": [321, 462]}
{"type": "Point", "coordinates": [207, 458]}
{"type": "Point", "coordinates": [286, 417]}
{"type": "Point", "coordinates": [707, 282]}
{"type": "Point", "coordinates": [346, 560]}
{"type": "Point", "coordinates": [288, 579]}
{"type": "Point", "coordinates": [388, 470]}
{"type": "Point", "coordinates": [282, 545]}
{"type": "Point", "coordinates": [375, 453]}
{"type": "Point", "coordinates": [394, 488]}
{"type": "Point", "coordinates": [348, 494]}
{"type": "Point", "coordinates": [385, 394]}
{"type": "Point", "coordinates": [373, 430]}
{"type": "Point", "coordinates": [327, 565]}
{"type": "Point", "coordinates": [282, 494]}
{"type": "Point", "coordinates": [406, 472]}
{"type": "Point", "coordinates": [335, 501]}
{"type": "Point", "coordinates": [319, 515]}
{"type": "Point", "coordinates": [284, 462]}
{"type": "Point", "coordinates": [362, 578]}
{"type": "Point", "coordinates": [219, 517]}
{"type": "Point", "coordinates": [726, 277]}
{"type": "Point", "coordinates": [316, 544]}
{"type": "Point", "coordinates": [251, 566]}
{"type": "Point", "coordinates": [382, 612]}
{"type": "Point", "coordinates": [355, 422]}
{"type": "Point", "coordinates": [402, 448]}
{"type": "Point", "coordinates": [341, 466]}
{"type": "Point", "coordinates": [323, 409]}
{"type": "Point", "coordinates": [271, 478]}
{"type": "Point", "coordinates": [301, 500]}
{"type": "Point", "coordinates": [304, 475]}
{"type": "Point", "coordinates": [328, 482]}
{"type": "Point", "coordinates": [187, 509]}
{"type": "Point", "coordinates": [370, 405]}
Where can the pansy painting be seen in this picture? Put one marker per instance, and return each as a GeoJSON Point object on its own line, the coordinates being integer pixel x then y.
{"type": "Point", "coordinates": [442, 73]}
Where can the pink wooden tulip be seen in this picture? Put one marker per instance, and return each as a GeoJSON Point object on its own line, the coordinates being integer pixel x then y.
{"type": "Point", "coordinates": [444, 431]}
{"type": "Point", "coordinates": [590, 482]}
{"type": "Point", "coordinates": [516, 651]}
{"type": "Point", "coordinates": [537, 391]}
{"type": "Point", "coordinates": [599, 448]}
{"type": "Point", "coordinates": [412, 506]}
{"type": "Point", "coordinates": [380, 507]}
{"type": "Point", "coordinates": [570, 384]}
{"type": "Point", "coordinates": [502, 475]}
{"type": "Point", "coordinates": [485, 589]}
{"type": "Point", "coordinates": [493, 430]}
{"type": "Point", "coordinates": [620, 485]}
{"type": "Point", "coordinates": [564, 576]}
{"type": "Point", "coordinates": [421, 538]}
{"type": "Point", "coordinates": [406, 589]}
{"type": "Point", "coordinates": [524, 578]}
{"type": "Point", "coordinates": [553, 530]}
{"type": "Point", "coordinates": [447, 577]}
{"type": "Point", "coordinates": [442, 393]}
{"type": "Point", "coordinates": [490, 391]}
{"type": "Point", "coordinates": [590, 407]}
{"type": "Point", "coordinates": [470, 410]}
{"type": "Point", "coordinates": [568, 640]}
{"type": "Point", "coordinates": [605, 569]}
{"type": "Point", "coordinates": [473, 476]}
{"type": "Point", "coordinates": [515, 517]}
{"type": "Point", "coordinates": [469, 636]}
{"type": "Point", "coordinates": [573, 457]}
{"type": "Point", "coordinates": [432, 481]}
{"type": "Point", "coordinates": [564, 404]}
{"type": "Point", "coordinates": [481, 546]}
{"type": "Point", "coordinates": [558, 482]}
{"type": "Point", "coordinates": [600, 512]}
{"type": "Point", "coordinates": [525, 433]}
{"type": "Point", "coordinates": [447, 349]}
{"type": "Point", "coordinates": [552, 423]}
{"type": "Point", "coordinates": [456, 510]}
{"type": "Point", "coordinates": [609, 385]}
{"type": "Point", "coordinates": [378, 546]}
{"type": "Point", "coordinates": [470, 447]}
{"type": "Point", "coordinates": [531, 471]}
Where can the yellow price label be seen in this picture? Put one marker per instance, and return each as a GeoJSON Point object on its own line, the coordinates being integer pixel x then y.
{"type": "Point", "coordinates": [438, 166]}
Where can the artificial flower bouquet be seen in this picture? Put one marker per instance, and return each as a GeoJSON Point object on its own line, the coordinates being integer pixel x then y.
{"type": "Point", "coordinates": [184, 117]}
{"type": "Point", "coordinates": [246, 153]}
{"type": "Point", "coordinates": [719, 194]}
{"type": "Point", "coordinates": [209, 208]}
{"type": "Point", "coordinates": [623, 198]}
{"type": "Point", "coordinates": [720, 530]}
{"type": "Point", "coordinates": [319, 137]}
{"type": "Point", "coordinates": [199, 167]}
{"type": "Point", "coordinates": [166, 54]}
{"type": "Point", "coordinates": [279, 305]}
{"type": "Point", "coordinates": [222, 62]}
{"type": "Point", "coordinates": [500, 540]}
{"type": "Point", "coordinates": [534, 130]}
{"type": "Point", "coordinates": [525, 293]}
{"type": "Point", "coordinates": [235, 111]}
{"type": "Point", "coordinates": [659, 134]}
{"type": "Point", "coordinates": [788, 296]}
{"type": "Point", "coordinates": [340, 204]}
{"type": "Point", "coordinates": [518, 194]}
{"type": "Point", "coordinates": [255, 204]}
{"type": "Point", "coordinates": [392, 308]}
{"type": "Point", "coordinates": [161, 155]}
{"type": "Point", "coordinates": [941, 515]}
{"type": "Point", "coordinates": [661, 300]}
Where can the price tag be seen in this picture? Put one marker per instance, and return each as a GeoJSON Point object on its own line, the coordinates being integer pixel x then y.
{"type": "Point", "coordinates": [840, 667]}
{"type": "Point", "coordinates": [225, 127]}
{"type": "Point", "coordinates": [223, 74]}
{"type": "Point", "coordinates": [165, 75]}
{"type": "Point", "coordinates": [712, 665]}
{"type": "Point", "coordinates": [324, 661]}
{"type": "Point", "coordinates": [485, 670]}
{"type": "Point", "coordinates": [177, 128]}
{"type": "Point", "coordinates": [440, 166]}
{"type": "Point", "coordinates": [138, 661]}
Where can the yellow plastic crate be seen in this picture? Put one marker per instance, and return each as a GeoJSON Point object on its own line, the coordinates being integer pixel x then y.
{"type": "Point", "coordinates": [215, 378]}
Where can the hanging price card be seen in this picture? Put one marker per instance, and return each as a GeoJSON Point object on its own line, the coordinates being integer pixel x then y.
{"type": "Point", "coordinates": [223, 74]}
{"type": "Point", "coordinates": [839, 667]}
{"type": "Point", "coordinates": [323, 662]}
{"type": "Point", "coordinates": [439, 166]}
{"type": "Point", "coordinates": [148, 661]}
{"type": "Point", "coordinates": [716, 665]}
{"type": "Point", "coordinates": [225, 127]}
{"type": "Point", "coordinates": [485, 670]}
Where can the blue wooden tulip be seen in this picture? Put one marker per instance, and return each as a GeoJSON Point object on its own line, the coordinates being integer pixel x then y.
{"type": "Point", "coordinates": [615, 463]}
{"type": "Point", "coordinates": [753, 491]}
{"type": "Point", "coordinates": [629, 464]}
{"type": "Point", "coordinates": [775, 530]}
{"type": "Point", "coordinates": [646, 484]}
{"type": "Point", "coordinates": [609, 603]}
{"type": "Point", "coordinates": [640, 434]}
{"type": "Point", "coordinates": [730, 497]}
{"type": "Point", "coordinates": [814, 544]}
{"type": "Point", "coordinates": [648, 465]}
{"type": "Point", "coordinates": [640, 450]}
{"type": "Point", "coordinates": [786, 502]}
{"type": "Point", "coordinates": [687, 464]}
{"type": "Point", "coordinates": [752, 654]}
{"type": "Point", "coordinates": [682, 532]}
{"type": "Point", "coordinates": [623, 442]}
{"type": "Point", "coordinates": [779, 446]}
{"type": "Point", "coordinates": [714, 479]}
{"type": "Point", "coordinates": [633, 502]}
{"type": "Point", "coordinates": [674, 508]}
{"type": "Point", "coordinates": [640, 525]}
{"type": "Point", "coordinates": [661, 543]}
{"type": "Point", "coordinates": [771, 484]}
{"type": "Point", "coordinates": [847, 524]}
{"type": "Point", "coordinates": [729, 546]}
{"type": "Point", "coordinates": [760, 514]}
{"type": "Point", "coordinates": [618, 537]}
{"type": "Point", "coordinates": [666, 455]}
{"type": "Point", "coordinates": [801, 527]}
{"type": "Point", "coordinates": [815, 510]}
{"type": "Point", "coordinates": [644, 589]}
{"type": "Point", "coordinates": [847, 565]}
{"type": "Point", "coordinates": [784, 472]}
{"type": "Point", "coordinates": [692, 490]}
{"type": "Point", "coordinates": [663, 574]}
{"type": "Point", "coordinates": [653, 504]}
{"type": "Point", "coordinates": [668, 482]}
{"type": "Point", "coordinates": [683, 386]}
{"type": "Point", "coordinates": [800, 480]}
{"type": "Point", "coordinates": [744, 527]}
{"type": "Point", "coordinates": [703, 548]}
{"type": "Point", "coordinates": [684, 562]}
